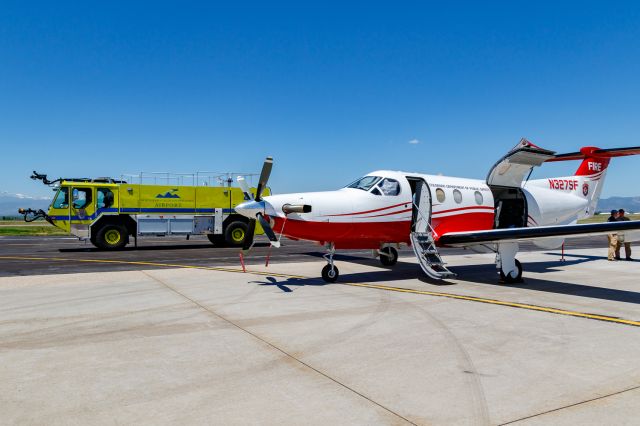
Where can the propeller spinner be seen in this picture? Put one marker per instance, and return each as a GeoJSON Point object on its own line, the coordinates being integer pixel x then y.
{"type": "Point", "coordinates": [254, 207]}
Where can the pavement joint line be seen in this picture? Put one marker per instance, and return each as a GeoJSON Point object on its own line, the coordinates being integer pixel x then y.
{"type": "Point", "coordinates": [597, 317]}
{"type": "Point", "coordinates": [570, 405]}
{"type": "Point", "coordinates": [273, 346]}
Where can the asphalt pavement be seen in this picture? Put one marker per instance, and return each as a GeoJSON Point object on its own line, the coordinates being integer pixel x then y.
{"type": "Point", "coordinates": [27, 255]}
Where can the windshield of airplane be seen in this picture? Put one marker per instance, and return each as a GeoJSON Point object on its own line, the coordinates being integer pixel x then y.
{"type": "Point", "coordinates": [365, 183]}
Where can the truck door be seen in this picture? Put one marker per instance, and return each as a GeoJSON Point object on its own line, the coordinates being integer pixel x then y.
{"type": "Point", "coordinates": [59, 210]}
{"type": "Point", "coordinates": [82, 210]}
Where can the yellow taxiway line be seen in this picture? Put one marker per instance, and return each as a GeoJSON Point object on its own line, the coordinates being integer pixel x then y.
{"type": "Point", "coordinates": [526, 306]}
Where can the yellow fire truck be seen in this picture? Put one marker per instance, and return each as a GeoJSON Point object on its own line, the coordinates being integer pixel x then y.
{"type": "Point", "coordinates": [107, 211]}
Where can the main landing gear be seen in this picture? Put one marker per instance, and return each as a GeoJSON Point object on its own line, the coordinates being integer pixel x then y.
{"type": "Point", "coordinates": [330, 272]}
{"type": "Point", "coordinates": [388, 256]}
{"type": "Point", "coordinates": [509, 267]}
{"type": "Point", "coordinates": [513, 276]}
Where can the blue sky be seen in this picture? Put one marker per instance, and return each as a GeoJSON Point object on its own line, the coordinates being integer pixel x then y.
{"type": "Point", "coordinates": [331, 90]}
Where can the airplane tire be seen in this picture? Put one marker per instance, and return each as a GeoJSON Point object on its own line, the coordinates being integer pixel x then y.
{"type": "Point", "coordinates": [330, 276]}
{"type": "Point", "coordinates": [508, 278]}
{"type": "Point", "coordinates": [386, 260]}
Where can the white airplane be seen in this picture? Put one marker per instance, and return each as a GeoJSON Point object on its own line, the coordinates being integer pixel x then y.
{"type": "Point", "coordinates": [387, 208]}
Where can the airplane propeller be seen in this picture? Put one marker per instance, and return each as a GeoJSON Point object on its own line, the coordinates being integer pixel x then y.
{"type": "Point", "coordinates": [257, 204]}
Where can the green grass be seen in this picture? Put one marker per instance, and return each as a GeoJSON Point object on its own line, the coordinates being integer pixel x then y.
{"type": "Point", "coordinates": [35, 228]}
{"type": "Point", "coordinates": [603, 218]}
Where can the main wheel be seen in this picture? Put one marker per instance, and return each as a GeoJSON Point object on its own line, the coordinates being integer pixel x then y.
{"type": "Point", "coordinates": [390, 256]}
{"type": "Point", "coordinates": [112, 237]}
{"type": "Point", "coordinates": [507, 278]}
{"type": "Point", "coordinates": [329, 274]}
{"type": "Point", "coordinates": [235, 233]}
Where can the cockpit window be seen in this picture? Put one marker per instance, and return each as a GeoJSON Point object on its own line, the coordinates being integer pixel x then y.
{"type": "Point", "coordinates": [365, 183]}
{"type": "Point", "coordinates": [389, 186]}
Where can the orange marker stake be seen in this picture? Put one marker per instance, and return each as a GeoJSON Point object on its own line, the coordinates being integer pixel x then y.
{"type": "Point", "coordinates": [242, 262]}
{"type": "Point", "coordinates": [266, 264]}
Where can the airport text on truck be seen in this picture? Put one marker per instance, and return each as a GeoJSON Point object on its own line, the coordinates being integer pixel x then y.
{"type": "Point", "coordinates": [107, 211]}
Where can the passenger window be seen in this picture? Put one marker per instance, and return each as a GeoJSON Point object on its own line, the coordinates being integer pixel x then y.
{"type": "Point", "coordinates": [389, 187]}
{"type": "Point", "coordinates": [479, 198]}
{"type": "Point", "coordinates": [105, 198]}
{"type": "Point", "coordinates": [457, 196]}
{"type": "Point", "coordinates": [62, 199]}
{"type": "Point", "coordinates": [81, 197]}
{"type": "Point", "coordinates": [440, 195]}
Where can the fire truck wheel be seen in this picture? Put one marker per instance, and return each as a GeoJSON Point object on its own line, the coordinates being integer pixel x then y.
{"type": "Point", "coordinates": [112, 237]}
{"type": "Point", "coordinates": [216, 240]}
{"type": "Point", "coordinates": [235, 233]}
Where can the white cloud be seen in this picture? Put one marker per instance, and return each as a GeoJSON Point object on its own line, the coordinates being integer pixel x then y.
{"type": "Point", "coordinates": [414, 141]}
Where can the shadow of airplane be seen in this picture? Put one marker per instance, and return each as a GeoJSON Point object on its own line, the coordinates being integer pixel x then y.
{"type": "Point", "coordinates": [484, 274]}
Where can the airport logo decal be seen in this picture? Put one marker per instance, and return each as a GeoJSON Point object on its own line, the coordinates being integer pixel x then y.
{"type": "Point", "coordinates": [169, 194]}
{"type": "Point", "coordinates": [585, 189]}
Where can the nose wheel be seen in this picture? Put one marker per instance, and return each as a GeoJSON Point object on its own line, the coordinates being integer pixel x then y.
{"type": "Point", "coordinates": [330, 271]}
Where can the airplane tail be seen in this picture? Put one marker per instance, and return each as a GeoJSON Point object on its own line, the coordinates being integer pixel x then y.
{"type": "Point", "coordinates": [589, 178]}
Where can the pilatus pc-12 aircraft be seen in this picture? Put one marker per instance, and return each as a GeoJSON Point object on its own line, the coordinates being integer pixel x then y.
{"type": "Point", "coordinates": [386, 208]}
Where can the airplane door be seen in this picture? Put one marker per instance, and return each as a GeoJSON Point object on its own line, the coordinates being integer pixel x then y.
{"type": "Point", "coordinates": [421, 217]}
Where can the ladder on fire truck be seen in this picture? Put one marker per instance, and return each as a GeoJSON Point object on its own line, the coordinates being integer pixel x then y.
{"type": "Point", "coordinates": [422, 240]}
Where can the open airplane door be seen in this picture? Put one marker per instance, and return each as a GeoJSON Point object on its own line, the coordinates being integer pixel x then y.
{"type": "Point", "coordinates": [421, 207]}
{"type": "Point", "coordinates": [505, 181]}
{"type": "Point", "coordinates": [512, 169]}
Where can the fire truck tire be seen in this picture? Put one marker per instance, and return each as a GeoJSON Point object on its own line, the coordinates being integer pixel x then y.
{"type": "Point", "coordinates": [112, 237]}
{"type": "Point", "coordinates": [235, 233]}
{"type": "Point", "coordinates": [216, 240]}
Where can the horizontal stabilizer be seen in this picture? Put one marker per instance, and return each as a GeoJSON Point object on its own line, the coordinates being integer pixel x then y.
{"type": "Point", "coordinates": [596, 152]}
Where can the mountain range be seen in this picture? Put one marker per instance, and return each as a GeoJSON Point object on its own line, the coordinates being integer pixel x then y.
{"type": "Point", "coordinates": [10, 203]}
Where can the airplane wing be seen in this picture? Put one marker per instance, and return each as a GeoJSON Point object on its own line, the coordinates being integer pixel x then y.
{"type": "Point", "coordinates": [630, 228]}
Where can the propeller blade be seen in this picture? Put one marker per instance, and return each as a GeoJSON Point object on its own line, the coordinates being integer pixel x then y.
{"type": "Point", "coordinates": [245, 188]}
{"type": "Point", "coordinates": [248, 239]}
{"type": "Point", "coordinates": [264, 177]}
{"type": "Point", "coordinates": [268, 230]}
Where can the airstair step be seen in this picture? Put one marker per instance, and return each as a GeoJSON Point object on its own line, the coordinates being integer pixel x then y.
{"type": "Point", "coordinates": [428, 256]}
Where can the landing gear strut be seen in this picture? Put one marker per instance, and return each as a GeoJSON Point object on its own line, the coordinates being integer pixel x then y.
{"type": "Point", "coordinates": [330, 272]}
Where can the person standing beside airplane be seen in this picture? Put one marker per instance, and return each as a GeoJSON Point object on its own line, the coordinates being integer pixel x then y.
{"type": "Point", "coordinates": [614, 250]}
{"type": "Point", "coordinates": [627, 245]}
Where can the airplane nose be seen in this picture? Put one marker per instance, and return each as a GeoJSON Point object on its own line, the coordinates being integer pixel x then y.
{"type": "Point", "coordinates": [250, 209]}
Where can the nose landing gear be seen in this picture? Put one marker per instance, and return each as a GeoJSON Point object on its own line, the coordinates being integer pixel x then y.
{"type": "Point", "coordinates": [330, 272]}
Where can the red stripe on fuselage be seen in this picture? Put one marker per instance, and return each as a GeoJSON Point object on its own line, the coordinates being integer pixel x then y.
{"type": "Point", "coordinates": [365, 235]}
{"type": "Point", "coordinates": [385, 214]}
{"type": "Point", "coordinates": [463, 208]}
{"type": "Point", "coordinates": [367, 211]}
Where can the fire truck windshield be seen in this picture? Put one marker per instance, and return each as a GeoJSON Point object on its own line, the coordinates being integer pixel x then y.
{"type": "Point", "coordinates": [61, 200]}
